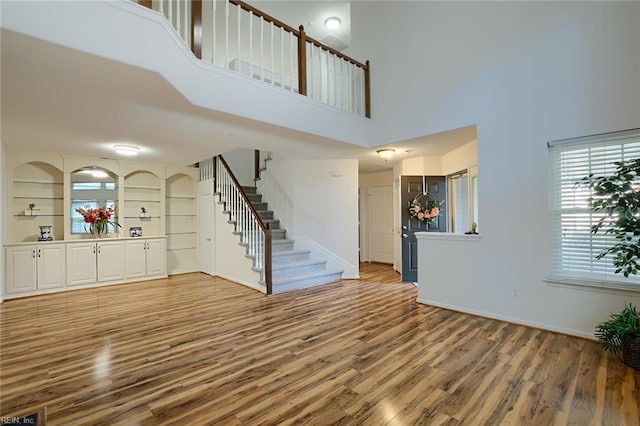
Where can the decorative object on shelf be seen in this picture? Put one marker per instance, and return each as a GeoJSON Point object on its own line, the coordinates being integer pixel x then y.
{"type": "Point", "coordinates": [143, 212]}
{"type": "Point", "coordinates": [474, 229]}
{"type": "Point", "coordinates": [425, 208]}
{"type": "Point", "coordinates": [135, 231]}
{"type": "Point", "coordinates": [622, 333]}
{"type": "Point", "coordinates": [45, 233]}
{"type": "Point", "coordinates": [32, 211]}
{"type": "Point", "coordinates": [98, 220]}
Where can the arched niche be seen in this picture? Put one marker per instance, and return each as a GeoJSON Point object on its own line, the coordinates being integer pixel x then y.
{"type": "Point", "coordinates": [143, 202]}
{"type": "Point", "coordinates": [91, 187]}
{"type": "Point", "coordinates": [181, 223]}
{"type": "Point", "coordinates": [37, 198]}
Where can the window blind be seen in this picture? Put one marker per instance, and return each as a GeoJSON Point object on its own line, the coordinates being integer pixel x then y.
{"type": "Point", "coordinates": [574, 247]}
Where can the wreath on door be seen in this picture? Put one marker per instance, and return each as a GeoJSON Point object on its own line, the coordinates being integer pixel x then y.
{"type": "Point", "coordinates": [425, 208]}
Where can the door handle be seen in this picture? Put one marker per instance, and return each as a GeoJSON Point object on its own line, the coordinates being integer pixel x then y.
{"type": "Point", "coordinates": [207, 239]}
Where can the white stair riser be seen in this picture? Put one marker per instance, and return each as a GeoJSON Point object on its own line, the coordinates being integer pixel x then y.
{"type": "Point", "coordinates": [298, 270]}
{"type": "Point", "coordinates": [279, 288]}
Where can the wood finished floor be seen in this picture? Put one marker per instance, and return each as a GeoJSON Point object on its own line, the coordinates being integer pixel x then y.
{"type": "Point", "coordinates": [196, 350]}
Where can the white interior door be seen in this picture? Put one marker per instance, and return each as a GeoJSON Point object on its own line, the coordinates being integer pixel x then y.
{"type": "Point", "coordinates": [381, 224]}
{"type": "Point", "coordinates": [205, 234]}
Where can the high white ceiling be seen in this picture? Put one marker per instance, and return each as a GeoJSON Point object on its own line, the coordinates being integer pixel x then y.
{"type": "Point", "coordinates": [57, 99]}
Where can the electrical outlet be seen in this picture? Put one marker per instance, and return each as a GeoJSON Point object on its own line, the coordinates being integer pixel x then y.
{"type": "Point", "coordinates": [516, 293]}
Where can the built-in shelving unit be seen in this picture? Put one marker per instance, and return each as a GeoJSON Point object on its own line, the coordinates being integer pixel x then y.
{"type": "Point", "coordinates": [181, 222]}
{"type": "Point", "coordinates": [55, 185]}
{"type": "Point", "coordinates": [40, 184]}
{"type": "Point", "coordinates": [142, 189]}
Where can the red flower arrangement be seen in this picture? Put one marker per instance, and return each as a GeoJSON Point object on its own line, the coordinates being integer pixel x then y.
{"type": "Point", "coordinates": [98, 219]}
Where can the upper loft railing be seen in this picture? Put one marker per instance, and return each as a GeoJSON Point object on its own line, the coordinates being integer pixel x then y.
{"type": "Point", "coordinates": [235, 35]}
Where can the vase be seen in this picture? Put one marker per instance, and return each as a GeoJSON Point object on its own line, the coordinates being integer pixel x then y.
{"type": "Point", "coordinates": [631, 352]}
{"type": "Point", "coordinates": [98, 230]}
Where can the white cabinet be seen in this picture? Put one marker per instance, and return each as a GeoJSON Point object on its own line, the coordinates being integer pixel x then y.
{"type": "Point", "coordinates": [35, 267]}
{"type": "Point", "coordinates": [111, 261]}
{"type": "Point", "coordinates": [146, 258]}
{"type": "Point", "coordinates": [95, 262]}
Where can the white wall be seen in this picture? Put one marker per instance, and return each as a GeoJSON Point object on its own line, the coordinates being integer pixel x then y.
{"type": "Point", "coordinates": [461, 158]}
{"type": "Point", "coordinates": [524, 73]}
{"type": "Point", "coordinates": [241, 161]}
{"type": "Point", "coordinates": [317, 203]}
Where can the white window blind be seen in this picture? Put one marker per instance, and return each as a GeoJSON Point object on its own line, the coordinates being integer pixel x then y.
{"type": "Point", "coordinates": [574, 247]}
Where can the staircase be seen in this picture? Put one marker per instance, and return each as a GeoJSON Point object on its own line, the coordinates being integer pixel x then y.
{"type": "Point", "coordinates": [291, 268]}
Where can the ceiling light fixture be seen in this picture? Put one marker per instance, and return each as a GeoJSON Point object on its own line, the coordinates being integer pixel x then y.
{"type": "Point", "coordinates": [99, 174]}
{"type": "Point", "coordinates": [386, 153]}
{"type": "Point", "coordinates": [332, 23]}
{"type": "Point", "coordinates": [128, 150]}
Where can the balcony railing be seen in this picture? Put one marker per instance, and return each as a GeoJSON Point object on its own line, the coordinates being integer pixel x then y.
{"type": "Point", "coordinates": [235, 35]}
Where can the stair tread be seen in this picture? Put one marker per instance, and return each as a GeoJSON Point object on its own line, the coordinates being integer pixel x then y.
{"type": "Point", "coordinates": [296, 264]}
{"type": "Point", "coordinates": [282, 241]}
{"type": "Point", "coordinates": [307, 275]}
{"type": "Point", "coordinates": [289, 252]}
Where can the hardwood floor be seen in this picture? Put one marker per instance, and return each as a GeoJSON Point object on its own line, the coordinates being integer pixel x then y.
{"type": "Point", "coordinates": [194, 349]}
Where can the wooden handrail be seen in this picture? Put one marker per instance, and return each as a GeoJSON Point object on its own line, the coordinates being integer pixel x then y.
{"type": "Point", "coordinates": [265, 228]}
{"type": "Point", "coordinates": [335, 52]}
{"type": "Point", "coordinates": [266, 17]}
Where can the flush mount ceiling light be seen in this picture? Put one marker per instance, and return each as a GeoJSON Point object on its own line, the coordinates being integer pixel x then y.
{"type": "Point", "coordinates": [386, 153]}
{"type": "Point", "coordinates": [128, 150]}
{"type": "Point", "coordinates": [332, 23]}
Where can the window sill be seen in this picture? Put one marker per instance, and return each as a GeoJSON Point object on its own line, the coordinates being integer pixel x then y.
{"type": "Point", "coordinates": [605, 287]}
{"type": "Point", "coordinates": [447, 236]}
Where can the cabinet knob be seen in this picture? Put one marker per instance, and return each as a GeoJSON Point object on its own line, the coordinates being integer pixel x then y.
{"type": "Point", "coordinates": [33, 253]}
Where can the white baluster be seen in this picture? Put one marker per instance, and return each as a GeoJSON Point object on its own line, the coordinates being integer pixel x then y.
{"type": "Point", "coordinates": [272, 59]}
{"type": "Point", "coordinates": [281, 58]}
{"type": "Point", "coordinates": [177, 26]}
{"type": "Point", "coordinates": [161, 9]}
{"type": "Point", "coordinates": [291, 79]}
{"type": "Point", "coordinates": [187, 33]}
{"type": "Point", "coordinates": [213, 32]}
{"type": "Point", "coordinates": [310, 85]}
{"type": "Point", "coordinates": [171, 13]}
{"type": "Point", "coordinates": [226, 34]}
{"type": "Point", "coordinates": [261, 49]}
{"type": "Point", "coordinates": [239, 40]}
{"type": "Point", "coordinates": [251, 44]}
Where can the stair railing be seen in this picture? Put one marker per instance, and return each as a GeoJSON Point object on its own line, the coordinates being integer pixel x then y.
{"type": "Point", "coordinates": [246, 40]}
{"type": "Point", "coordinates": [255, 235]}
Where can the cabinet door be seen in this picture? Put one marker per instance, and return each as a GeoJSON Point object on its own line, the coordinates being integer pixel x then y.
{"type": "Point", "coordinates": [21, 269]}
{"type": "Point", "coordinates": [136, 262]}
{"type": "Point", "coordinates": [156, 257]}
{"type": "Point", "coordinates": [51, 266]}
{"type": "Point", "coordinates": [81, 263]}
{"type": "Point", "coordinates": [111, 260]}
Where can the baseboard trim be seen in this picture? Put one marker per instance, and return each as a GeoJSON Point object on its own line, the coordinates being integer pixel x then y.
{"type": "Point", "coordinates": [505, 318]}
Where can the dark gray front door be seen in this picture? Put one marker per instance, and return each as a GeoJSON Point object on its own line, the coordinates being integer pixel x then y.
{"type": "Point", "coordinates": [410, 187]}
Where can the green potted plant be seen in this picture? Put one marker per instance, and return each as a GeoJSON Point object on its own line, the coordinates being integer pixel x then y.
{"type": "Point", "coordinates": [618, 197]}
{"type": "Point", "coordinates": [621, 333]}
